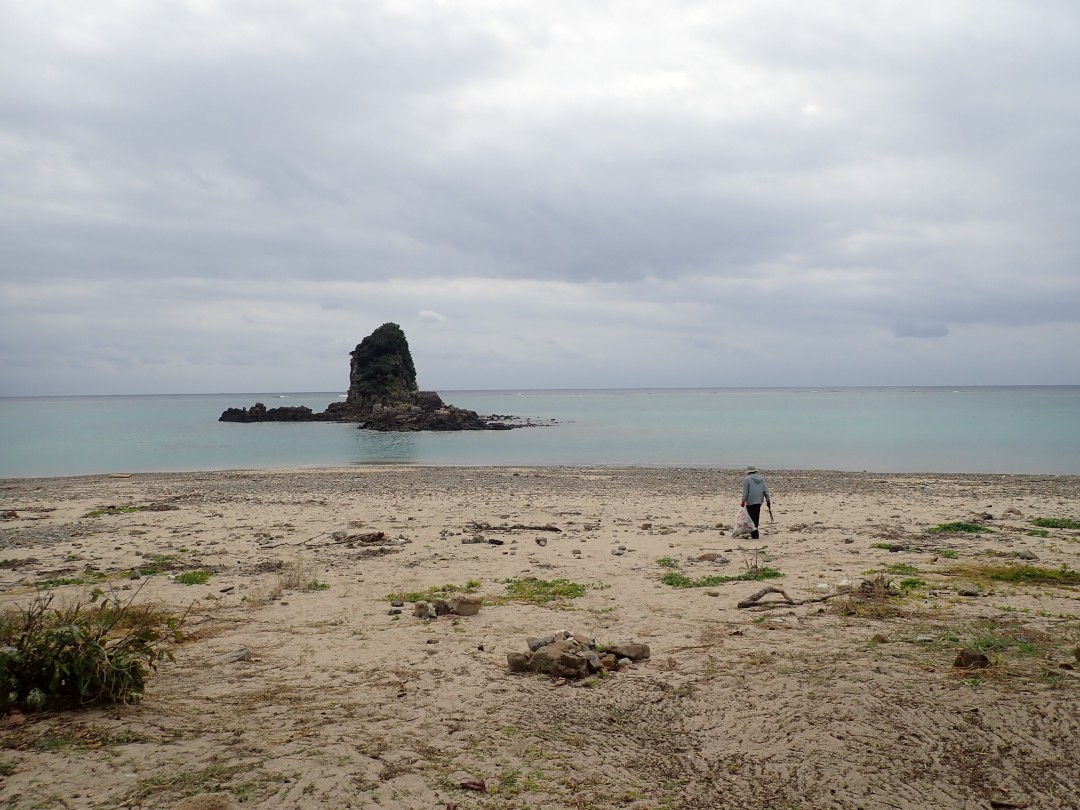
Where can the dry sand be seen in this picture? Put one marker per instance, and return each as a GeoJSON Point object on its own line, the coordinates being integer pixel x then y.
{"type": "Point", "coordinates": [342, 705]}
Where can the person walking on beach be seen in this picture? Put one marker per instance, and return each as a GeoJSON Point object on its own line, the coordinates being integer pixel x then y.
{"type": "Point", "coordinates": [754, 491]}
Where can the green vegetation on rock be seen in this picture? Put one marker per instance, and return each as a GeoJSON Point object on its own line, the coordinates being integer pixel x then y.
{"type": "Point", "coordinates": [382, 370]}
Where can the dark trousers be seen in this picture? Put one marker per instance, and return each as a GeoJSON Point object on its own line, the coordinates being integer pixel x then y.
{"type": "Point", "coordinates": [754, 509]}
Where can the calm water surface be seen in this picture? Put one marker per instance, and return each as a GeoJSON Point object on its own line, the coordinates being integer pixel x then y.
{"type": "Point", "coordinates": [1011, 429]}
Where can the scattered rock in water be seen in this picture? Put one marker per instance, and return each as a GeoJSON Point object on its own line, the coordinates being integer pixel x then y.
{"type": "Point", "coordinates": [971, 659]}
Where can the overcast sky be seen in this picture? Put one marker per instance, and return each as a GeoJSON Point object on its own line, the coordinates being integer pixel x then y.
{"type": "Point", "coordinates": [228, 196]}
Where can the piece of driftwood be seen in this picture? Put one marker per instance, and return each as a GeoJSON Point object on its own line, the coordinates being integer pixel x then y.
{"type": "Point", "coordinates": [477, 526]}
{"type": "Point", "coordinates": [754, 600]}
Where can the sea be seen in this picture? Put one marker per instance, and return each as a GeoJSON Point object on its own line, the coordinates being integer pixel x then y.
{"type": "Point", "coordinates": [1015, 429]}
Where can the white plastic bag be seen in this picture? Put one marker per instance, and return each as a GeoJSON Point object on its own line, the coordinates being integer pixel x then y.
{"type": "Point", "coordinates": [744, 524]}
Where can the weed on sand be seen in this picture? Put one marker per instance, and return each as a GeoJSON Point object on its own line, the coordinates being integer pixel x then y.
{"type": "Point", "coordinates": [434, 592]}
{"type": "Point", "coordinates": [1020, 574]}
{"type": "Point", "coordinates": [545, 592]}
{"type": "Point", "coordinates": [1056, 523]}
{"type": "Point", "coordinates": [677, 579]}
{"type": "Point", "coordinates": [959, 527]}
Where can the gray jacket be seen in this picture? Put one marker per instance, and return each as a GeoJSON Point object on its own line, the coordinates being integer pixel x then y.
{"type": "Point", "coordinates": [754, 489]}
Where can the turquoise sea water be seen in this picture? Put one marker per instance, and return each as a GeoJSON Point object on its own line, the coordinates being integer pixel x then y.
{"type": "Point", "coordinates": [1006, 430]}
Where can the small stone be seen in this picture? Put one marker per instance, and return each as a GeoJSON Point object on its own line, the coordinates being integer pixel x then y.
{"type": "Point", "coordinates": [646, 526]}
{"type": "Point", "coordinates": [708, 556]}
{"type": "Point", "coordinates": [465, 605]}
{"type": "Point", "coordinates": [623, 663]}
{"type": "Point", "coordinates": [518, 662]}
{"type": "Point", "coordinates": [630, 649]}
{"type": "Point", "coordinates": [134, 575]}
{"type": "Point", "coordinates": [878, 638]}
{"type": "Point", "coordinates": [390, 612]}
{"type": "Point", "coordinates": [712, 593]}
{"type": "Point", "coordinates": [971, 659]}
{"type": "Point", "coordinates": [432, 641]}
{"type": "Point", "coordinates": [967, 589]}
{"type": "Point", "coordinates": [1027, 555]}
{"type": "Point", "coordinates": [541, 541]}
{"type": "Point", "coordinates": [848, 541]}
{"type": "Point", "coordinates": [622, 548]}
{"type": "Point", "coordinates": [423, 610]}
{"type": "Point", "coordinates": [397, 603]}
{"type": "Point", "coordinates": [227, 589]}
{"type": "Point", "coordinates": [536, 642]}
{"type": "Point", "coordinates": [822, 588]}
{"type": "Point", "coordinates": [924, 639]}
{"type": "Point", "coordinates": [618, 552]}
{"type": "Point", "coordinates": [243, 654]}
{"type": "Point", "coordinates": [570, 666]}
{"type": "Point", "coordinates": [610, 662]}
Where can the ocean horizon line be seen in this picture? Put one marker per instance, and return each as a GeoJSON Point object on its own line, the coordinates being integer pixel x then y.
{"type": "Point", "coordinates": [571, 390]}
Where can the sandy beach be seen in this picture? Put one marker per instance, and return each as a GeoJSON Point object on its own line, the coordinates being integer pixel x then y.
{"type": "Point", "coordinates": [299, 686]}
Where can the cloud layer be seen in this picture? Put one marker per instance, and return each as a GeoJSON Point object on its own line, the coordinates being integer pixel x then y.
{"type": "Point", "coordinates": [228, 196]}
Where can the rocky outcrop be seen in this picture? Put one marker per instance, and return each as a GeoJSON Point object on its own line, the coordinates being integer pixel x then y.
{"type": "Point", "coordinates": [382, 395]}
{"type": "Point", "coordinates": [260, 413]}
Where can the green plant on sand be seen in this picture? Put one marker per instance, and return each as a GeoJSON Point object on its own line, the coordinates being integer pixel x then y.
{"type": "Point", "coordinates": [1056, 523]}
{"type": "Point", "coordinates": [958, 527]}
{"type": "Point", "coordinates": [101, 652]}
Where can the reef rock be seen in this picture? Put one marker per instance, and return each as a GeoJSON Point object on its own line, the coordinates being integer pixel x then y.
{"type": "Point", "coordinates": [383, 395]}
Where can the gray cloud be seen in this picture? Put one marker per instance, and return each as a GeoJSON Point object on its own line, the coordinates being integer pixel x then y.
{"type": "Point", "coordinates": [203, 197]}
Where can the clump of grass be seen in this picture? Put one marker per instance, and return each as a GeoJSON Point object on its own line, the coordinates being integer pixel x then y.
{"type": "Point", "coordinates": [113, 510]}
{"type": "Point", "coordinates": [900, 569]}
{"type": "Point", "coordinates": [677, 579]}
{"type": "Point", "coordinates": [193, 578]}
{"type": "Point", "coordinates": [1035, 575]}
{"type": "Point", "coordinates": [1020, 574]}
{"type": "Point", "coordinates": [958, 527]}
{"type": "Point", "coordinates": [911, 584]}
{"type": "Point", "coordinates": [1038, 533]}
{"type": "Point", "coordinates": [90, 576]}
{"type": "Point", "coordinates": [1056, 523]}
{"type": "Point", "coordinates": [948, 554]}
{"type": "Point", "coordinates": [96, 652]}
{"type": "Point", "coordinates": [542, 592]}
{"type": "Point", "coordinates": [434, 592]}
{"type": "Point", "coordinates": [668, 562]}
{"type": "Point", "coordinates": [873, 599]}
{"type": "Point", "coordinates": [157, 564]}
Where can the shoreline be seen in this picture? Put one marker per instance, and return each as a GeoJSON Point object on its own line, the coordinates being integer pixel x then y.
{"type": "Point", "coordinates": [342, 703]}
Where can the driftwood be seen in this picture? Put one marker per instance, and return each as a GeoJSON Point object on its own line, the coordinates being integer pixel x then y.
{"type": "Point", "coordinates": [476, 526]}
{"type": "Point", "coordinates": [753, 601]}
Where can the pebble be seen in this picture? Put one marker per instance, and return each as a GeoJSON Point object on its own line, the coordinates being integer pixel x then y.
{"type": "Point", "coordinates": [1027, 555]}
